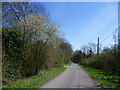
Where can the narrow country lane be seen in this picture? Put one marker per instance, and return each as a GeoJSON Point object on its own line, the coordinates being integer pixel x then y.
{"type": "Point", "coordinates": [73, 77]}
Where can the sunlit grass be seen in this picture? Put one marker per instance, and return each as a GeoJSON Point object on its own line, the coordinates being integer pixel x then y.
{"type": "Point", "coordinates": [67, 64]}
{"type": "Point", "coordinates": [105, 79]}
{"type": "Point", "coordinates": [36, 81]}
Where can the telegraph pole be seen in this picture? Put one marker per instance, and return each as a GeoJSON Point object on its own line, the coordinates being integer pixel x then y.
{"type": "Point", "coordinates": [98, 47]}
{"type": "Point", "coordinates": [119, 23]}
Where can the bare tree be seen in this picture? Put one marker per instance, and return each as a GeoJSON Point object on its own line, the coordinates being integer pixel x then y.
{"type": "Point", "coordinates": [12, 12]}
{"type": "Point", "coordinates": [85, 49]}
{"type": "Point", "coordinates": [92, 47]}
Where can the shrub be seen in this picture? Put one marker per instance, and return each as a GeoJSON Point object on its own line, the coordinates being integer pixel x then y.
{"type": "Point", "coordinates": [108, 61]}
{"type": "Point", "coordinates": [12, 54]}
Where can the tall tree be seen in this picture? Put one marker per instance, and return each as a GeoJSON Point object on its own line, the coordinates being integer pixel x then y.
{"type": "Point", "coordinates": [12, 12]}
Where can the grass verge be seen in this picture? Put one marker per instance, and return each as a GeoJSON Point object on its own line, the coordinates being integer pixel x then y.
{"type": "Point", "coordinates": [105, 79]}
{"type": "Point", "coordinates": [36, 81]}
{"type": "Point", "coordinates": [67, 64]}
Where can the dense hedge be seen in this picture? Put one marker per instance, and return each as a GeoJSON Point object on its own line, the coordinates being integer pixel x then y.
{"type": "Point", "coordinates": [108, 61]}
{"type": "Point", "coordinates": [12, 54]}
{"type": "Point", "coordinates": [24, 59]}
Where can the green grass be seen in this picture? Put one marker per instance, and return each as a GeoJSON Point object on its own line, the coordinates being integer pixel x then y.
{"type": "Point", "coordinates": [36, 81]}
{"type": "Point", "coordinates": [67, 64]}
{"type": "Point", "coordinates": [105, 79]}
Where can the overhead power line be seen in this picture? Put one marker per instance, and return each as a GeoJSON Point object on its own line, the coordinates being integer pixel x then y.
{"type": "Point", "coordinates": [109, 35]}
{"type": "Point", "coordinates": [112, 23]}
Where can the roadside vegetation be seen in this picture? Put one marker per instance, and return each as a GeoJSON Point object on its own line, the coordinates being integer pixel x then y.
{"type": "Point", "coordinates": [103, 67]}
{"type": "Point", "coordinates": [32, 42]}
{"type": "Point", "coordinates": [105, 79]}
{"type": "Point", "coordinates": [36, 81]}
{"type": "Point", "coordinates": [67, 64]}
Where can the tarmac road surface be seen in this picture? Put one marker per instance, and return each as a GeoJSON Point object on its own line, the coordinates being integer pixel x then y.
{"type": "Point", "coordinates": [73, 77]}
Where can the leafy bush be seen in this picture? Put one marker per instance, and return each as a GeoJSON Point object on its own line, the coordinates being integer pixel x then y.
{"type": "Point", "coordinates": [108, 61]}
{"type": "Point", "coordinates": [12, 53]}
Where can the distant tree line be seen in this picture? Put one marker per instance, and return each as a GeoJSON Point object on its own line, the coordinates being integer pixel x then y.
{"type": "Point", "coordinates": [31, 41]}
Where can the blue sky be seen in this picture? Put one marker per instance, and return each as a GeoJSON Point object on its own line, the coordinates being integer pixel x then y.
{"type": "Point", "coordinates": [83, 22]}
